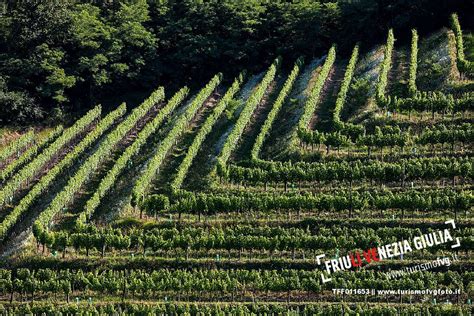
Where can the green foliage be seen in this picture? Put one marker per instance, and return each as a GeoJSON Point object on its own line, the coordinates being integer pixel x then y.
{"type": "Point", "coordinates": [93, 162]}
{"type": "Point", "coordinates": [155, 203]}
{"type": "Point", "coordinates": [44, 183]}
{"type": "Point", "coordinates": [107, 47]}
{"type": "Point", "coordinates": [73, 53]}
{"type": "Point", "coordinates": [47, 63]}
{"type": "Point", "coordinates": [335, 139]}
{"type": "Point", "coordinates": [113, 48]}
{"type": "Point", "coordinates": [61, 49]}
{"type": "Point", "coordinates": [257, 237]}
{"type": "Point", "coordinates": [412, 89]}
{"type": "Point", "coordinates": [125, 160]}
{"type": "Point", "coordinates": [215, 280]}
{"type": "Point", "coordinates": [231, 109]}
{"type": "Point", "coordinates": [385, 68]}
{"type": "Point", "coordinates": [346, 81]}
{"type": "Point", "coordinates": [435, 102]}
{"type": "Point", "coordinates": [246, 114]}
{"type": "Point", "coordinates": [404, 169]}
{"type": "Point", "coordinates": [260, 308]}
{"type": "Point", "coordinates": [35, 37]}
{"type": "Point", "coordinates": [17, 145]}
{"type": "Point", "coordinates": [17, 106]}
{"type": "Point", "coordinates": [387, 136]}
{"type": "Point", "coordinates": [267, 125]}
{"type": "Point", "coordinates": [146, 178]}
{"type": "Point", "coordinates": [358, 94]}
{"type": "Point", "coordinates": [337, 201]}
{"type": "Point", "coordinates": [29, 154]}
{"type": "Point", "coordinates": [28, 172]}
{"type": "Point", "coordinates": [442, 134]}
{"type": "Point", "coordinates": [464, 65]}
{"type": "Point", "coordinates": [313, 98]}
{"type": "Point", "coordinates": [203, 132]}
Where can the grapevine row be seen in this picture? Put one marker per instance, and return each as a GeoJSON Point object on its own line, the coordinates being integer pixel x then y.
{"type": "Point", "coordinates": [28, 172]}
{"type": "Point", "coordinates": [435, 102]}
{"type": "Point", "coordinates": [267, 125]}
{"type": "Point", "coordinates": [441, 134]}
{"type": "Point", "coordinates": [234, 308]}
{"type": "Point", "coordinates": [202, 203]}
{"type": "Point", "coordinates": [403, 170]}
{"type": "Point", "coordinates": [123, 161]}
{"type": "Point", "coordinates": [17, 145]}
{"type": "Point", "coordinates": [29, 154]}
{"type": "Point", "coordinates": [389, 136]}
{"type": "Point", "coordinates": [385, 67]}
{"type": "Point", "coordinates": [149, 284]}
{"type": "Point", "coordinates": [93, 162]}
{"type": "Point", "coordinates": [204, 130]}
{"type": "Point", "coordinates": [42, 186]}
{"type": "Point", "coordinates": [310, 105]}
{"type": "Point", "coordinates": [242, 237]}
{"type": "Point", "coordinates": [464, 65]}
{"type": "Point", "coordinates": [146, 178]}
{"type": "Point", "coordinates": [341, 96]}
{"type": "Point", "coordinates": [412, 90]}
{"type": "Point", "coordinates": [330, 140]}
{"type": "Point", "coordinates": [246, 114]}
{"type": "Point", "coordinates": [385, 136]}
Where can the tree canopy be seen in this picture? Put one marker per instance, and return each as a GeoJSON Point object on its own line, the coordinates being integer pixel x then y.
{"type": "Point", "coordinates": [57, 55]}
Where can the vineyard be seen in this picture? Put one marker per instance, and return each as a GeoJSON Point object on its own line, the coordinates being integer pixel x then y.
{"type": "Point", "coordinates": [223, 200]}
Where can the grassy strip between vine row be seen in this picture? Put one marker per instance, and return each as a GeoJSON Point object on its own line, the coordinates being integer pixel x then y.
{"type": "Point", "coordinates": [93, 162]}
{"type": "Point", "coordinates": [246, 114]}
{"type": "Point", "coordinates": [249, 261]}
{"type": "Point", "coordinates": [267, 125]}
{"type": "Point", "coordinates": [29, 154]}
{"type": "Point", "coordinates": [44, 183]}
{"type": "Point", "coordinates": [146, 178]}
{"type": "Point", "coordinates": [204, 130]}
{"type": "Point", "coordinates": [108, 181]}
{"type": "Point", "coordinates": [314, 223]}
{"type": "Point", "coordinates": [28, 172]}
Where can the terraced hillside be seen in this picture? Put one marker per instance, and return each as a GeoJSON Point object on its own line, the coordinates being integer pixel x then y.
{"type": "Point", "coordinates": [229, 199]}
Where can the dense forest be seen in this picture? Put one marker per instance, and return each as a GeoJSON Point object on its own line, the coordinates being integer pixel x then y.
{"type": "Point", "coordinates": [63, 57]}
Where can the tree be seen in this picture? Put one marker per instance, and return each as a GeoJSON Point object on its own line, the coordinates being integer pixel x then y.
{"type": "Point", "coordinates": [17, 106]}
{"type": "Point", "coordinates": [95, 46]}
{"type": "Point", "coordinates": [154, 204]}
{"type": "Point", "coordinates": [35, 39]}
{"type": "Point", "coordinates": [137, 43]}
{"type": "Point", "coordinates": [47, 63]}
